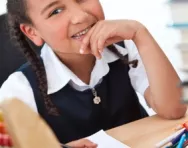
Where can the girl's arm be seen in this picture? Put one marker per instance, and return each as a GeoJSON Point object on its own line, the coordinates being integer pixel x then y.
{"type": "Point", "coordinates": [163, 94]}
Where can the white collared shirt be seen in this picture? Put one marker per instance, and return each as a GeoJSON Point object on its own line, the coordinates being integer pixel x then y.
{"type": "Point", "coordinates": [58, 75]}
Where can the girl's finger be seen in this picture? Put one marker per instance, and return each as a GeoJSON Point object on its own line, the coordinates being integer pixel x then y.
{"type": "Point", "coordinates": [89, 144]}
{"type": "Point", "coordinates": [99, 31]}
{"type": "Point", "coordinates": [112, 40]}
{"type": "Point", "coordinates": [101, 43]}
{"type": "Point", "coordinates": [94, 49]}
{"type": "Point", "coordinates": [101, 39]}
{"type": "Point", "coordinates": [86, 41]}
{"type": "Point", "coordinates": [82, 143]}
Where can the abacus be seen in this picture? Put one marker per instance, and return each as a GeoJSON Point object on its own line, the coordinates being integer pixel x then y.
{"type": "Point", "coordinates": [5, 141]}
{"type": "Point", "coordinates": [25, 127]}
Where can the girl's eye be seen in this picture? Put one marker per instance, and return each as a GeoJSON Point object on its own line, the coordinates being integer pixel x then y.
{"type": "Point", "coordinates": [56, 11]}
{"type": "Point", "coordinates": [79, 1]}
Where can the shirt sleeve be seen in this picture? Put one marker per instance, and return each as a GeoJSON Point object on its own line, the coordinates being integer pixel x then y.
{"type": "Point", "coordinates": [138, 76]}
{"type": "Point", "coordinates": [17, 86]}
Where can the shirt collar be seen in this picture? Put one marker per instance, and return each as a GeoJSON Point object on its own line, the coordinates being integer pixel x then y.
{"type": "Point", "coordinates": [58, 74]}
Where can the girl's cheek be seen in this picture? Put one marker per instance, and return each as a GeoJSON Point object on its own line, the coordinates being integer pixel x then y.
{"type": "Point", "coordinates": [58, 30]}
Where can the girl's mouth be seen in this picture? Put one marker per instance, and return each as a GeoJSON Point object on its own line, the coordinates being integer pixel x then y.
{"type": "Point", "coordinates": [80, 35]}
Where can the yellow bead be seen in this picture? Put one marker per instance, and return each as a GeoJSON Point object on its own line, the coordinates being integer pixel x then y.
{"type": "Point", "coordinates": [1, 116]}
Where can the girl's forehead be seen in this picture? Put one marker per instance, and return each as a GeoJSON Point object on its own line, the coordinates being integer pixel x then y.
{"type": "Point", "coordinates": [40, 5]}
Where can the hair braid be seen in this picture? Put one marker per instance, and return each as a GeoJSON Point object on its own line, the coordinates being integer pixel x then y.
{"type": "Point", "coordinates": [34, 60]}
{"type": "Point", "coordinates": [124, 59]}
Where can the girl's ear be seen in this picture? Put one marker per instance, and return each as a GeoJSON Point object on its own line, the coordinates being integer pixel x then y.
{"type": "Point", "coordinates": [32, 34]}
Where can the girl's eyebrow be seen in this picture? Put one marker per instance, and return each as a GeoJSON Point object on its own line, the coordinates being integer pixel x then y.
{"type": "Point", "coordinates": [49, 5]}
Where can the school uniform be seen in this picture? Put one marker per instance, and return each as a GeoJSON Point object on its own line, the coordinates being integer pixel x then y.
{"type": "Point", "coordinates": [80, 115]}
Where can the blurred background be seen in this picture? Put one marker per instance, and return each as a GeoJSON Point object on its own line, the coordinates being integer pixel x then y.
{"type": "Point", "coordinates": [166, 20]}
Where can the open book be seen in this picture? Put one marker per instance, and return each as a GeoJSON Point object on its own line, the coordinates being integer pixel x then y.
{"type": "Point", "coordinates": [105, 141]}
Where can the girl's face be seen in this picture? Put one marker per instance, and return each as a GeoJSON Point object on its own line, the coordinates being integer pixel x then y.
{"type": "Point", "coordinates": [61, 23]}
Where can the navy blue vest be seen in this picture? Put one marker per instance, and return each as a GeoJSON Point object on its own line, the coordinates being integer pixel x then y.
{"type": "Point", "coordinates": [80, 117]}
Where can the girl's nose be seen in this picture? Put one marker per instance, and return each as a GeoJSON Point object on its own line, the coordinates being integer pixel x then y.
{"type": "Point", "coordinates": [79, 16]}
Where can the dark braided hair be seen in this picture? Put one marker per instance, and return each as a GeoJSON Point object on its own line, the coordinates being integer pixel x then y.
{"type": "Point", "coordinates": [16, 15]}
{"type": "Point", "coordinates": [124, 59]}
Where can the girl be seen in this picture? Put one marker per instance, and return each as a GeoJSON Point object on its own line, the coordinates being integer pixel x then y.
{"type": "Point", "coordinates": [80, 85]}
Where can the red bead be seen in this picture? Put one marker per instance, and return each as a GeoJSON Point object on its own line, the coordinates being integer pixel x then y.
{"type": "Point", "coordinates": [1, 139]}
{"type": "Point", "coordinates": [2, 127]}
{"type": "Point", "coordinates": [10, 142]}
{"type": "Point", "coordinates": [5, 140]}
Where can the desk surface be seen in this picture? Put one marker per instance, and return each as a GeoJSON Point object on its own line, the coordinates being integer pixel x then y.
{"type": "Point", "coordinates": [145, 133]}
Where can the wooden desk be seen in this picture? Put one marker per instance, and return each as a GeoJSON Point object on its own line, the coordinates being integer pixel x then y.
{"type": "Point", "coordinates": [36, 133]}
{"type": "Point", "coordinates": [145, 133]}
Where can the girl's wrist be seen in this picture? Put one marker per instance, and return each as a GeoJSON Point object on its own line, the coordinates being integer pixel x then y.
{"type": "Point", "coordinates": [131, 29]}
{"type": "Point", "coordinates": [142, 37]}
{"type": "Point", "coordinates": [140, 30]}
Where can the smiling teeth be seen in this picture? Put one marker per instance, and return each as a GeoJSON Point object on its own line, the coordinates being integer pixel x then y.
{"type": "Point", "coordinates": [82, 32]}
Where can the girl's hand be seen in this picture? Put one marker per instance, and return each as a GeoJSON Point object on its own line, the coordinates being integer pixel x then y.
{"type": "Point", "coordinates": [82, 143]}
{"type": "Point", "coordinates": [106, 32]}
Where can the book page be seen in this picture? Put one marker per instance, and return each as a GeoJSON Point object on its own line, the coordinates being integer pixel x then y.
{"type": "Point", "coordinates": [105, 141]}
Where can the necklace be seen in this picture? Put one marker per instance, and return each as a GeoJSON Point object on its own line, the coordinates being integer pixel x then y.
{"type": "Point", "coordinates": [96, 99]}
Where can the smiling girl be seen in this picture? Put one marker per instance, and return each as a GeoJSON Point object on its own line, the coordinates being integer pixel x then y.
{"type": "Point", "coordinates": [83, 81]}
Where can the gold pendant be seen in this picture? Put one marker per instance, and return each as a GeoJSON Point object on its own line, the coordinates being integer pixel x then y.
{"type": "Point", "coordinates": [97, 100]}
